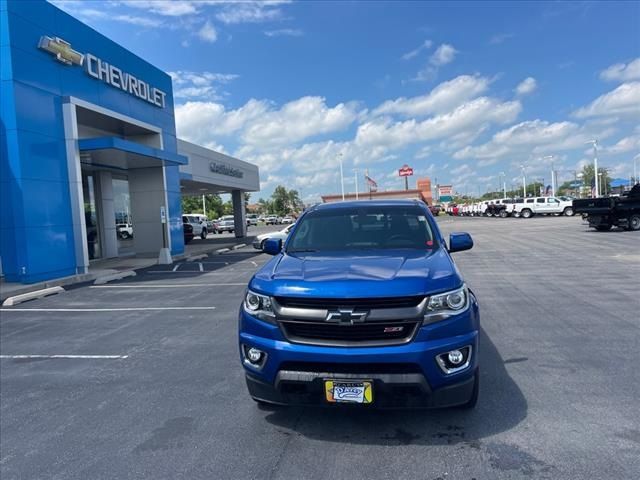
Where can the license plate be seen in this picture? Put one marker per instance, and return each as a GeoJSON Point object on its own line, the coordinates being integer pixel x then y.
{"type": "Point", "coordinates": [348, 392]}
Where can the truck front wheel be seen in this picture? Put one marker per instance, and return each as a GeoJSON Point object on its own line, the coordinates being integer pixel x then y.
{"type": "Point", "coordinates": [634, 222]}
{"type": "Point", "coordinates": [526, 213]}
{"type": "Point", "coordinates": [569, 212]}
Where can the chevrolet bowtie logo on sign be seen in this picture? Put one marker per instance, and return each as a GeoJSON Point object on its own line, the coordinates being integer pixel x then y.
{"type": "Point", "coordinates": [346, 316]}
{"type": "Point", "coordinates": [102, 70]}
{"type": "Point", "coordinates": [62, 50]}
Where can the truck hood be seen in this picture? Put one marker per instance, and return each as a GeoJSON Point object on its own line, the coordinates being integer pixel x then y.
{"type": "Point", "coordinates": [394, 273]}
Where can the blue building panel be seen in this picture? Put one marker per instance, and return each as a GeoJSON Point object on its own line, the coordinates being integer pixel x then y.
{"type": "Point", "coordinates": [36, 228]}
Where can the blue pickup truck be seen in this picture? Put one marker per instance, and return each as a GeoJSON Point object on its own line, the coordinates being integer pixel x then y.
{"type": "Point", "coordinates": [362, 304]}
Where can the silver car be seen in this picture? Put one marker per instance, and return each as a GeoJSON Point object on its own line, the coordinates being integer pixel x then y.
{"type": "Point", "coordinates": [258, 243]}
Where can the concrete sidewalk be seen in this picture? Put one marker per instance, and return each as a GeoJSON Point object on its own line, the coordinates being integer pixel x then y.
{"type": "Point", "coordinates": [111, 266]}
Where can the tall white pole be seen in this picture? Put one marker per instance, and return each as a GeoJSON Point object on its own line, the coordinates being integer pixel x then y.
{"type": "Point", "coordinates": [595, 166]}
{"type": "Point", "coordinates": [524, 182]}
{"type": "Point", "coordinates": [635, 169]}
{"type": "Point", "coordinates": [204, 206]}
{"type": "Point", "coordinates": [341, 178]}
{"type": "Point", "coordinates": [355, 174]}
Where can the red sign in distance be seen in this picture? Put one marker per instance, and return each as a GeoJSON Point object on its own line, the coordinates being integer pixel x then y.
{"type": "Point", "coordinates": [405, 171]}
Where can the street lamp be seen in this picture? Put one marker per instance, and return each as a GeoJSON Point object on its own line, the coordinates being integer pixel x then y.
{"type": "Point", "coordinates": [635, 169]}
{"type": "Point", "coordinates": [595, 164]}
{"type": "Point", "coordinates": [341, 176]}
{"type": "Point", "coordinates": [355, 173]}
{"type": "Point", "coordinates": [524, 182]}
{"type": "Point", "coordinates": [553, 175]}
{"type": "Point", "coordinates": [504, 184]}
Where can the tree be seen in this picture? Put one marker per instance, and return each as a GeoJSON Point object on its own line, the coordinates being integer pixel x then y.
{"type": "Point", "coordinates": [588, 178]}
{"type": "Point", "coordinates": [213, 203]}
{"type": "Point", "coordinates": [280, 199]}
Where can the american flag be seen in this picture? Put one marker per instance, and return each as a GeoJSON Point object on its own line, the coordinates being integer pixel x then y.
{"type": "Point", "coordinates": [370, 181]}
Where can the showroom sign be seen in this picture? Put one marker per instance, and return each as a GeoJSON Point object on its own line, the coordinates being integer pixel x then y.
{"type": "Point", "coordinates": [101, 70]}
{"type": "Point", "coordinates": [405, 171]}
{"type": "Point", "coordinates": [222, 169]}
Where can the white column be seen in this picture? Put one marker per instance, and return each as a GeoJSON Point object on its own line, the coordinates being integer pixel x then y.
{"type": "Point", "coordinates": [107, 215]}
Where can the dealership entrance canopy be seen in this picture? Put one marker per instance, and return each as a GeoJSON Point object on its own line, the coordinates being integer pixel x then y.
{"type": "Point", "coordinates": [90, 166]}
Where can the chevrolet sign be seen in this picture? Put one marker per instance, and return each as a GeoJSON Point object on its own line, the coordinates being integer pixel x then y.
{"type": "Point", "coordinates": [61, 49]}
{"type": "Point", "coordinates": [223, 169]}
{"type": "Point", "coordinates": [101, 70]}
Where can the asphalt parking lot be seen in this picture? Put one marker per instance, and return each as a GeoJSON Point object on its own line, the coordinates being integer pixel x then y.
{"type": "Point", "coordinates": [156, 389]}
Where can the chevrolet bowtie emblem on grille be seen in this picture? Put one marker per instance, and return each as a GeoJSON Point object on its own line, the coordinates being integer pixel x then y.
{"type": "Point", "coordinates": [346, 316]}
{"type": "Point", "coordinates": [61, 50]}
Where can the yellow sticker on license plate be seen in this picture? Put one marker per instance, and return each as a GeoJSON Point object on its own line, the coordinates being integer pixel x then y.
{"type": "Point", "coordinates": [348, 392]}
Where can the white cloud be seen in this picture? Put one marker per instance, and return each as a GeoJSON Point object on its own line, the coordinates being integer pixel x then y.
{"type": "Point", "coordinates": [259, 124]}
{"type": "Point", "coordinates": [444, 54]}
{"type": "Point", "coordinates": [442, 98]}
{"type": "Point", "coordinates": [199, 85]}
{"type": "Point", "coordinates": [624, 100]}
{"type": "Point", "coordinates": [203, 122]}
{"type": "Point", "coordinates": [208, 32]}
{"type": "Point", "coordinates": [622, 72]}
{"type": "Point", "coordinates": [470, 116]}
{"type": "Point", "coordinates": [427, 44]}
{"type": "Point", "coordinates": [532, 137]}
{"type": "Point", "coordinates": [300, 119]}
{"type": "Point", "coordinates": [527, 86]}
{"type": "Point", "coordinates": [624, 145]}
{"type": "Point", "coordinates": [500, 38]}
{"type": "Point", "coordinates": [174, 8]}
{"type": "Point", "coordinates": [284, 32]}
{"type": "Point", "coordinates": [249, 12]}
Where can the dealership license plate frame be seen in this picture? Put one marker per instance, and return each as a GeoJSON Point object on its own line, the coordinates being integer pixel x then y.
{"type": "Point", "coordinates": [365, 384]}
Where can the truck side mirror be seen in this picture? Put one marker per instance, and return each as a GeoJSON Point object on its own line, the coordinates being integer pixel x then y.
{"type": "Point", "coordinates": [273, 246]}
{"type": "Point", "coordinates": [460, 241]}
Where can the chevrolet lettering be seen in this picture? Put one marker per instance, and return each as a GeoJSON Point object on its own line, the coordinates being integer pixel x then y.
{"type": "Point", "coordinates": [104, 71]}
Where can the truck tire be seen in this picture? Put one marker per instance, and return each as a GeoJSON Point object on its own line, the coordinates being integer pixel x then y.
{"type": "Point", "coordinates": [569, 212]}
{"type": "Point", "coordinates": [503, 214]}
{"type": "Point", "coordinates": [526, 213]}
{"type": "Point", "coordinates": [603, 228]}
{"type": "Point", "coordinates": [634, 222]}
{"type": "Point", "coordinates": [203, 234]}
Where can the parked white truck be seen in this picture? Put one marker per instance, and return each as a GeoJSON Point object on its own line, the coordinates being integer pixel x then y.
{"type": "Point", "coordinates": [542, 206]}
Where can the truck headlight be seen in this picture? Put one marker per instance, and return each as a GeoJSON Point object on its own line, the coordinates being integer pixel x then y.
{"type": "Point", "coordinates": [444, 305]}
{"type": "Point", "coordinates": [259, 306]}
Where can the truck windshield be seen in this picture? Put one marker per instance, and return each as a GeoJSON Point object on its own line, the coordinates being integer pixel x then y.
{"type": "Point", "coordinates": [363, 228]}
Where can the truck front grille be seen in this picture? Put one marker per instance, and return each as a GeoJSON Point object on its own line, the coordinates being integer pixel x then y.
{"type": "Point", "coordinates": [358, 334]}
{"type": "Point", "coordinates": [355, 303]}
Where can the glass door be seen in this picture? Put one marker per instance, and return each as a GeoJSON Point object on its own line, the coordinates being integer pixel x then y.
{"type": "Point", "coordinates": [91, 215]}
{"type": "Point", "coordinates": [122, 209]}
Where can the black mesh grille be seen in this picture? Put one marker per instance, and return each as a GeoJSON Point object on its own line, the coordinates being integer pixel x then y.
{"type": "Point", "coordinates": [356, 303]}
{"type": "Point", "coordinates": [392, 332]}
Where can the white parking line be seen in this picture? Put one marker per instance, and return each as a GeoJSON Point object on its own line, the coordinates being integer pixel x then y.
{"type": "Point", "coordinates": [176, 267]}
{"type": "Point", "coordinates": [175, 285]}
{"type": "Point", "coordinates": [129, 309]}
{"type": "Point", "coordinates": [88, 357]}
{"type": "Point", "coordinates": [208, 272]}
{"type": "Point", "coordinates": [201, 267]}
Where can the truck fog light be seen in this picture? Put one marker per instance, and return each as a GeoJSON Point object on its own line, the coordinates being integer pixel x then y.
{"type": "Point", "coordinates": [455, 357]}
{"type": "Point", "coordinates": [254, 355]}
{"type": "Point", "coordinates": [454, 360]}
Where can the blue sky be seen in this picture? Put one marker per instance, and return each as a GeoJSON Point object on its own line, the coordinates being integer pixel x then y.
{"type": "Point", "coordinates": [459, 91]}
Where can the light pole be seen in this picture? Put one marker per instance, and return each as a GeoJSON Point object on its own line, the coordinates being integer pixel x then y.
{"type": "Point", "coordinates": [341, 176]}
{"type": "Point", "coordinates": [635, 169]}
{"type": "Point", "coordinates": [524, 182]}
{"type": "Point", "coordinates": [553, 175]}
{"type": "Point", "coordinates": [504, 184]}
{"type": "Point", "coordinates": [355, 174]}
{"type": "Point", "coordinates": [595, 164]}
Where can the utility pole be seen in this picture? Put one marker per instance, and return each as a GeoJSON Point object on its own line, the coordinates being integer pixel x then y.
{"type": "Point", "coordinates": [356, 179]}
{"type": "Point", "coordinates": [204, 206]}
{"type": "Point", "coordinates": [341, 176]}
{"type": "Point", "coordinates": [524, 182]}
{"type": "Point", "coordinates": [595, 165]}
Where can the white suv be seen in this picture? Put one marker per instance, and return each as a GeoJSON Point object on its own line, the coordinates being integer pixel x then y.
{"type": "Point", "coordinates": [199, 225]}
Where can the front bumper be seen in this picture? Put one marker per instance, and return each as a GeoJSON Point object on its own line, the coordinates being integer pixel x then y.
{"type": "Point", "coordinates": [403, 376]}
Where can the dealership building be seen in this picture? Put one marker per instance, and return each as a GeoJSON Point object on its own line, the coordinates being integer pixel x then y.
{"type": "Point", "coordinates": [88, 145]}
